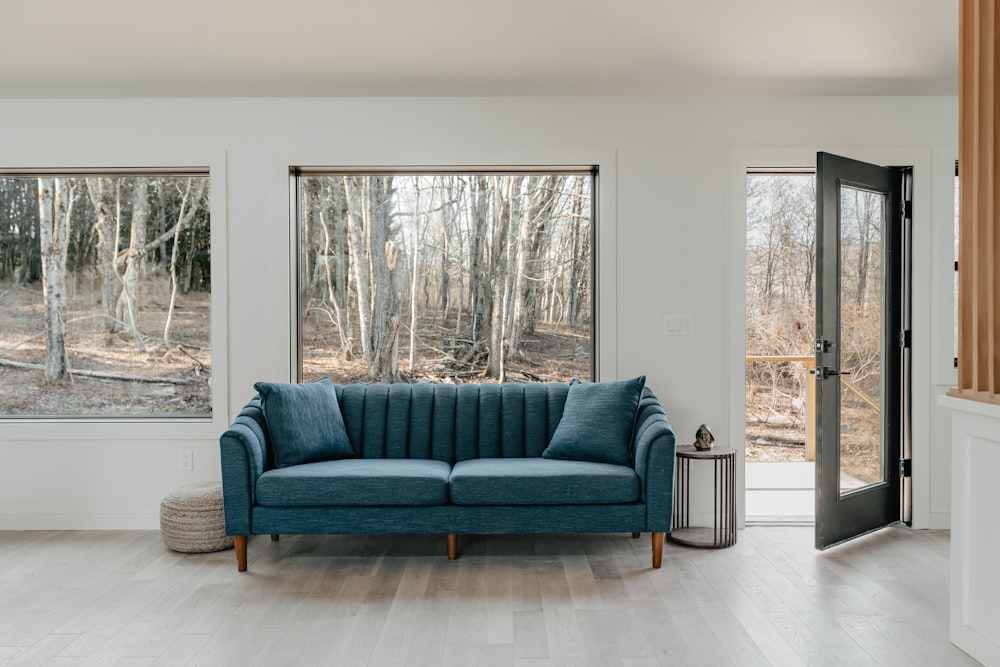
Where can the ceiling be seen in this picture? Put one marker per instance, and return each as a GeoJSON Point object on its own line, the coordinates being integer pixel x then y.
{"type": "Point", "coordinates": [221, 48]}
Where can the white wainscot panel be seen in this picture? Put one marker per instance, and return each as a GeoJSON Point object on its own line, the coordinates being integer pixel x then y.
{"type": "Point", "coordinates": [975, 538]}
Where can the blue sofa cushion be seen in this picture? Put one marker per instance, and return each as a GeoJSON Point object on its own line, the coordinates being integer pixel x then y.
{"type": "Point", "coordinates": [356, 483]}
{"type": "Point", "coordinates": [538, 481]}
{"type": "Point", "coordinates": [304, 422]}
{"type": "Point", "coordinates": [597, 422]}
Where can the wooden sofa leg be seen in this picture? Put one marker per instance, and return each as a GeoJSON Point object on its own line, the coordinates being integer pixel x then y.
{"type": "Point", "coordinates": [635, 535]}
{"type": "Point", "coordinates": [657, 550]}
{"type": "Point", "coordinates": [452, 546]}
{"type": "Point", "coordinates": [240, 544]}
{"type": "Point", "coordinates": [274, 537]}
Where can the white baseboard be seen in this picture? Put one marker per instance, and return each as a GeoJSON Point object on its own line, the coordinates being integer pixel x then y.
{"type": "Point", "coordinates": [123, 521]}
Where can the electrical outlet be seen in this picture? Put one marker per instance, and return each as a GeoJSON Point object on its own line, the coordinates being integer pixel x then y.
{"type": "Point", "coordinates": [187, 459]}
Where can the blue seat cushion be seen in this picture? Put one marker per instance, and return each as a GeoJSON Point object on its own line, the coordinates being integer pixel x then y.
{"type": "Point", "coordinates": [539, 481]}
{"type": "Point", "coordinates": [356, 483]}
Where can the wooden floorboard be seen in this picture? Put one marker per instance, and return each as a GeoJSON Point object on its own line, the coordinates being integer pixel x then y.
{"type": "Point", "coordinates": [122, 598]}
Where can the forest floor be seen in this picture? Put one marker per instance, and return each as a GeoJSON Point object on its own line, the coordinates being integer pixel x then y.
{"type": "Point", "coordinates": [187, 360]}
{"type": "Point", "coordinates": [549, 354]}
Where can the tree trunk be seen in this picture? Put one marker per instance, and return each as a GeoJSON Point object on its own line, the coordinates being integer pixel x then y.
{"type": "Point", "coordinates": [54, 211]}
{"type": "Point", "coordinates": [415, 273]}
{"type": "Point", "coordinates": [325, 272]}
{"type": "Point", "coordinates": [480, 291]}
{"type": "Point", "coordinates": [128, 300]}
{"type": "Point", "coordinates": [375, 256]}
{"type": "Point", "coordinates": [189, 206]}
{"type": "Point", "coordinates": [387, 281]}
{"type": "Point", "coordinates": [102, 195]}
{"type": "Point", "coordinates": [359, 259]}
{"type": "Point", "coordinates": [535, 237]}
{"type": "Point", "coordinates": [189, 283]}
{"type": "Point", "coordinates": [342, 262]}
{"type": "Point", "coordinates": [501, 276]}
{"type": "Point", "coordinates": [518, 313]}
{"type": "Point", "coordinates": [447, 218]}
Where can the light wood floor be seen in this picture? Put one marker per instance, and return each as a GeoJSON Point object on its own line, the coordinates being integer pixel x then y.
{"type": "Point", "coordinates": [121, 598]}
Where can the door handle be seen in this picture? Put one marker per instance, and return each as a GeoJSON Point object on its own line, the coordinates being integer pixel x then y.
{"type": "Point", "coordinates": [824, 372]}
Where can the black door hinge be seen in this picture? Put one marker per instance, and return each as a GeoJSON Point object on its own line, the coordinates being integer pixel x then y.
{"type": "Point", "coordinates": [905, 339]}
{"type": "Point", "coordinates": [908, 209]}
{"type": "Point", "coordinates": [905, 468]}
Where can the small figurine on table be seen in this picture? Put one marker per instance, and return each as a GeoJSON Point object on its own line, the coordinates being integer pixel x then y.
{"type": "Point", "coordinates": [703, 439]}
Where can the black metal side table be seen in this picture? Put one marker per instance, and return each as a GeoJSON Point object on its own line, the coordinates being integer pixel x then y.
{"type": "Point", "coordinates": [722, 533]}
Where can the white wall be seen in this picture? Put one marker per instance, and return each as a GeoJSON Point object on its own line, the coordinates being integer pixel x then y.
{"type": "Point", "coordinates": [674, 196]}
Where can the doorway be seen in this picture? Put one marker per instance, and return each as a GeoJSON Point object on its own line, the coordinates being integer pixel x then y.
{"type": "Point", "coordinates": [780, 324]}
{"type": "Point", "coordinates": [827, 346]}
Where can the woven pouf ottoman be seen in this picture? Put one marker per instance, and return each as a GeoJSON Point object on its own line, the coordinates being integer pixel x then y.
{"type": "Point", "coordinates": [191, 519]}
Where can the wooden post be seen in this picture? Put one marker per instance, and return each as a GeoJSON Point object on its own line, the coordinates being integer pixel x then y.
{"type": "Point", "coordinates": [810, 363]}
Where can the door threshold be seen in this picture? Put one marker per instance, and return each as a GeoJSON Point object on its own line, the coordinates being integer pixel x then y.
{"type": "Point", "coordinates": [780, 521]}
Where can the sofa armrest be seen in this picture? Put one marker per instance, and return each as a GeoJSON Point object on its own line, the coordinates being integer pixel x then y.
{"type": "Point", "coordinates": [244, 452]}
{"type": "Point", "coordinates": [654, 445]}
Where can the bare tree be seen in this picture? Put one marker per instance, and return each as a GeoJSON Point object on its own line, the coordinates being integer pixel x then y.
{"type": "Point", "coordinates": [190, 203]}
{"type": "Point", "coordinates": [327, 206]}
{"type": "Point", "coordinates": [415, 269]}
{"type": "Point", "coordinates": [127, 309]}
{"type": "Point", "coordinates": [501, 278]}
{"type": "Point", "coordinates": [55, 207]}
{"type": "Point", "coordinates": [375, 257]}
{"type": "Point", "coordinates": [104, 195]}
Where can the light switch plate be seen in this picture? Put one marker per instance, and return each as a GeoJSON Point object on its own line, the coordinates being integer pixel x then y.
{"type": "Point", "coordinates": [678, 325]}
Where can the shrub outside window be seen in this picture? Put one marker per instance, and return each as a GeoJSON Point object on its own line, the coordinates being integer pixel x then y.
{"type": "Point", "coordinates": [105, 285]}
{"type": "Point", "coordinates": [446, 276]}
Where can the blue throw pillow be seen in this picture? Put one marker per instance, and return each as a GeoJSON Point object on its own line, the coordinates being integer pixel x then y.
{"type": "Point", "coordinates": [597, 422]}
{"type": "Point", "coordinates": [304, 422]}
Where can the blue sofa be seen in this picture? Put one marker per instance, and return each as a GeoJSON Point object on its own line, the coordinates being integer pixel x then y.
{"type": "Point", "coordinates": [447, 459]}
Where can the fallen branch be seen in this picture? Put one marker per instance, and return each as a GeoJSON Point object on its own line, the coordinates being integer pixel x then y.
{"type": "Point", "coordinates": [860, 393]}
{"type": "Point", "coordinates": [199, 366]}
{"type": "Point", "coordinates": [200, 348]}
{"type": "Point", "coordinates": [97, 374]}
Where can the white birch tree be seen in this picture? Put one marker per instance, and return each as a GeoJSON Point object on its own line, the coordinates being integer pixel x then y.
{"type": "Point", "coordinates": [194, 189]}
{"type": "Point", "coordinates": [55, 206]}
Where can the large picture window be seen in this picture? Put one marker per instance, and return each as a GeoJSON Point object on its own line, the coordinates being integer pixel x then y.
{"type": "Point", "coordinates": [105, 283]}
{"type": "Point", "coordinates": [459, 276]}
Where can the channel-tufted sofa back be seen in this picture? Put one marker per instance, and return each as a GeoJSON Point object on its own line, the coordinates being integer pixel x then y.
{"type": "Point", "coordinates": [449, 422]}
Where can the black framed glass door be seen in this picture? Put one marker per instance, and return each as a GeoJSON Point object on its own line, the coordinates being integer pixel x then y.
{"type": "Point", "coordinates": [861, 339]}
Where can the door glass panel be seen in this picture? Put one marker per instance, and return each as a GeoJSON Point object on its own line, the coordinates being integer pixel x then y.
{"type": "Point", "coordinates": [862, 215]}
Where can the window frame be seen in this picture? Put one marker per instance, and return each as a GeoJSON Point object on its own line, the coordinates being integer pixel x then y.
{"type": "Point", "coordinates": [141, 427]}
{"type": "Point", "coordinates": [602, 162]}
